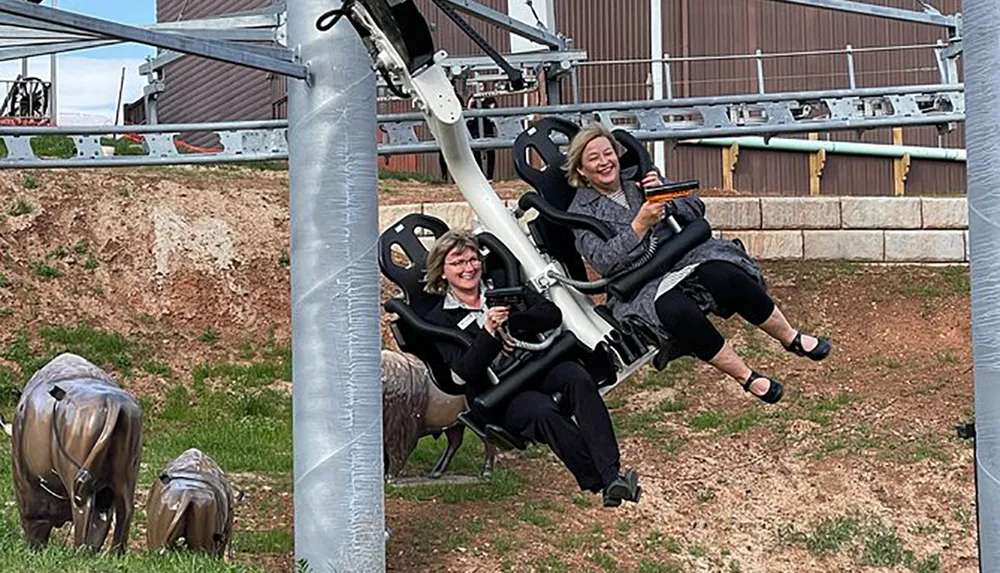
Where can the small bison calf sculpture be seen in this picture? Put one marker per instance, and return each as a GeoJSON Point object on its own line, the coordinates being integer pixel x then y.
{"type": "Point", "coordinates": [191, 499]}
{"type": "Point", "coordinates": [77, 443]}
{"type": "Point", "coordinates": [413, 407]}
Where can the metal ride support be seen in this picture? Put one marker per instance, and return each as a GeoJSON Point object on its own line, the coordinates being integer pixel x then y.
{"type": "Point", "coordinates": [983, 141]}
{"type": "Point", "coordinates": [336, 340]}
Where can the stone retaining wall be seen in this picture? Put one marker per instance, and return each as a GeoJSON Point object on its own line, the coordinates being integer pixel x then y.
{"type": "Point", "coordinates": [864, 229]}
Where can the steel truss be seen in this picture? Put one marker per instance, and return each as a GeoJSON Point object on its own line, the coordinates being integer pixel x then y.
{"type": "Point", "coordinates": [678, 119]}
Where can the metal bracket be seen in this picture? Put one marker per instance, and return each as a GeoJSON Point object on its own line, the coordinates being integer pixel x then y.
{"type": "Point", "coordinates": [512, 25]}
{"type": "Point", "coordinates": [932, 17]}
{"type": "Point", "coordinates": [225, 52]}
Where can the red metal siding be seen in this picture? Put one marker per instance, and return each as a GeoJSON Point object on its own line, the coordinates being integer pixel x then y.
{"type": "Point", "coordinates": [201, 90]}
{"type": "Point", "coordinates": [620, 30]}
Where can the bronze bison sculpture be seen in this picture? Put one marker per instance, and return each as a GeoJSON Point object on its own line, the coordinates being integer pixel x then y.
{"type": "Point", "coordinates": [77, 443]}
{"type": "Point", "coordinates": [190, 500]}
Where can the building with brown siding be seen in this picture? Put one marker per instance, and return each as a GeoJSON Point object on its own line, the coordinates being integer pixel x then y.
{"type": "Point", "coordinates": [201, 90]}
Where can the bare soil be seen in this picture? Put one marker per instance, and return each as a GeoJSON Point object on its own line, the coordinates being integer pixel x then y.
{"type": "Point", "coordinates": [730, 484]}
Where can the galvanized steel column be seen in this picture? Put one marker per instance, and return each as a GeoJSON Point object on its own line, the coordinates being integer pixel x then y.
{"type": "Point", "coordinates": [982, 53]}
{"type": "Point", "coordinates": [336, 369]}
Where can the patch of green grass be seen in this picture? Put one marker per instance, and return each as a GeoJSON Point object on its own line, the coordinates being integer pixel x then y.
{"type": "Point", "coordinates": [91, 264]}
{"type": "Point", "coordinates": [123, 145]}
{"type": "Point", "coordinates": [247, 351]}
{"type": "Point", "coordinates": [707, 496]}
{"type": "Point", "coordinates": [391, 175]}
{"type": "Point", "coordinates": [647, 566]}
{"type": "Point", "coordinates": [4, 281]}
{"type": "Point", "coordinates": [57, 146]}
{"type": "Point", "coordinates": [9, 387]}
{"type": "Point", "coordinates": [245, 429]}
{"type": "Point", "coordinates": [864, 538]}
{"type": "Point", "coordinates": [879, 361]}
{"type": "Point", "coordinates": [668, 405]}
{"type": "Point", "coordinates": [756, 346]}
{"type": "Point", "coordinates": [30, 182]}
{"type": "Point", "coordinates": [474, 525]}
{"type": "Point", "coordinates": [57, 253]}
{"type": "Point", "coordinates": [252, 375]}
{"type": "Point", "coordinates": [208, 335]}
{"type": "Point", "coordinates": [530, 513]}
{"type": "Point", "coordinates": [956, 279]}
{"type": "Point", "coordinates": [504, 483]}
{"type": "Point", "coordinates": [604, 561]}
{"type": "Point", "coordinates": [105, 348]}
{"type": "Point", "coordinates": [697, 551]}
{"type": "Point", "coordinates": [550, 563]}
{"type": "Point", "coordinates": [707, 420]}
{"type": "Point", "coordinates": [947, 358]}
{"type": "Point", "coordinates": [679, 370]}
{"type": "Point", "coordinates": [157, 368]}
{"type": "Point", "coordinates": [614, 403]}
{"type": "Point", "coordinates": [645, 424]}
{"type": "Point", "coordinates": [284, 259]}
{"type": "Point", "coordinates": [43, 271]}
{"type": "Point", "coordinates": [267, 541]}
{"type": "Point", "coordinates": [741, 423]}
{"type": "Point", "coordinates": [80, 247]}
{"type": "Point", "coordinates": [831, 534]}
{"type": "Point", "coordinates": [581, 500]}
{"type": "Point", "coordinates": [21, 207]}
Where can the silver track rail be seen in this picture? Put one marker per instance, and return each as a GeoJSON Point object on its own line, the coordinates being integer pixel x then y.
{"type": "Point", "coordinates": [675, 119]}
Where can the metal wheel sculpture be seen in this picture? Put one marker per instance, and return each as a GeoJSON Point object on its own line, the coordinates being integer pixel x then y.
{"type": "Point", "coordinates": [27, 97]}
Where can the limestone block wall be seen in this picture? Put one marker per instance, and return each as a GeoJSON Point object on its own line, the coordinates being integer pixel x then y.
{"type": "Point", "coordinates": [862, 229]}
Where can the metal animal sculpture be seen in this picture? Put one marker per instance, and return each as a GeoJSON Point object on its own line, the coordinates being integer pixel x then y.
{"type": "Point", "coordinates": [192, 499]}
{"type": "Point", "coordinates": [77, 443]}
{"type": "Point", "coordinates": [413, 407]}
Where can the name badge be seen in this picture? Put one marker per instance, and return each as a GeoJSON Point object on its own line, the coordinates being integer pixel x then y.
{"type": "Point", "coordinates": [465, 322]}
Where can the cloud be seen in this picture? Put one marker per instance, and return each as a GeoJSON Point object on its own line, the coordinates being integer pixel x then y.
{"type": "Point", "coordinates": [86, 86]}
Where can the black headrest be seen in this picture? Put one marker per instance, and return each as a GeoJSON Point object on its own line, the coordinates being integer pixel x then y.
{"type": "Point", "coordinates": [406, 235]}
{"type": "Point", "coordinates": [635, 163]}
{"type": "Point", "coordinates": [549, 180]}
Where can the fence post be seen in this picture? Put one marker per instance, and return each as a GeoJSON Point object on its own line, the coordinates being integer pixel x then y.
{"type": "Point", "coordinates": [730, 157]}
{"type": "Point", "coordinates": [850, 67]}
{"type": "Point", "coordinates": [817, 161]}
{"type": "Point", "coordinates": [667, 78]}
{"type": "Point", "coordinates": [760, 72]}
{"type": "Point", "coordinates": [900, 166]}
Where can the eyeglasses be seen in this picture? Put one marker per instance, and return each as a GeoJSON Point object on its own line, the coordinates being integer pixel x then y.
{"type": "Point", "coordinates": [473, 261]}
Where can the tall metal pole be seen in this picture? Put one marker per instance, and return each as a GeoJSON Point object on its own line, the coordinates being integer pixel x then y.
{"type": "Point", "coordinates": [982, 38]}
{"type": "Point", "coordinates": [53, 85]}
{"type": "Point", "coordinates": [656, 54]}
{"type": "Point", "coordinates": [336, 340]}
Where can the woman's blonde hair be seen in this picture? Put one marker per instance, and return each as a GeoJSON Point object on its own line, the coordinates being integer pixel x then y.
{"type": "Point", "coordinates": [574, 157]}
{"type": "Point", "coordinates": [460, 239]}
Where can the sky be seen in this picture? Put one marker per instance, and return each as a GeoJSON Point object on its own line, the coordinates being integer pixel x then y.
{"type": "Point", "coordinates": [87, 81]}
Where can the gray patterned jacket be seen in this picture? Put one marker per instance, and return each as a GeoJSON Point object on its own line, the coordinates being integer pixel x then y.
{"type": "Point", "coordinates": [607, 257]}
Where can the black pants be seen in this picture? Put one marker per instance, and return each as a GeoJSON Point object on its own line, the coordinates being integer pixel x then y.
{"type": "Point", "coordinates": [587, 447]}
{"type": "Point", "coordinates": [731, 287]}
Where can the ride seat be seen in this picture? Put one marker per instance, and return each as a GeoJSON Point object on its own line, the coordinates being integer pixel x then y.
{"type": "Point", "coordinates": [402, 258]}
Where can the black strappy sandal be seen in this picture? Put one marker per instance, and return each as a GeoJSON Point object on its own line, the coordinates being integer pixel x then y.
{"type": "Point", "coordinates": [822, 350]}
{"type": "Point", "coordinates": [774, 392]}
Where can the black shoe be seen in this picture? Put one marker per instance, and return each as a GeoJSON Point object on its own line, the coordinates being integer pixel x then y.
{"type": "Point", "coordinates": [774, 392]}
{"type": "Point", "coordinates": [667, 354]}
{"type": "Point", "coordinates": [624, 488]}
{"type": "Point", "coordinates": [823, 348]}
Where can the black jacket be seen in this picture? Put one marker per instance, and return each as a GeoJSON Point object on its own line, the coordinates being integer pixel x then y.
{"type": "Point", "coordinates": [471, 364]}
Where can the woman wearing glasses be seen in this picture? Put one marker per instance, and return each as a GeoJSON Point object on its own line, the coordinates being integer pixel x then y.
{"type": "Point", "coordinates": [588, 446]}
